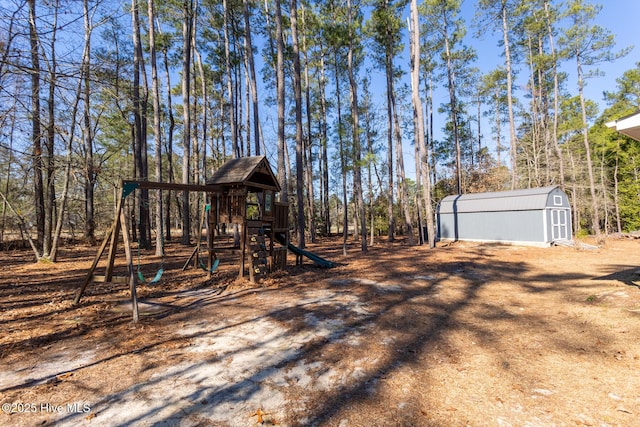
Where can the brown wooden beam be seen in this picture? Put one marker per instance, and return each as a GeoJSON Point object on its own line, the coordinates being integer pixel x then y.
{"type": "Point", "coordinates": [132, 276]}
{"type": "Point", "coordinates": [94, 264]}
{"type": "Point", "coordinates": [172, 186]}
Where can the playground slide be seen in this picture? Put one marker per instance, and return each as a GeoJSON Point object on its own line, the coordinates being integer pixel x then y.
{"type": "Point", "coordinates": [313, 257]}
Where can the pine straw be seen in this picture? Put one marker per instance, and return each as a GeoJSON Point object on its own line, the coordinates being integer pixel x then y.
{"type": "Point", "coordinates": [467, 334]}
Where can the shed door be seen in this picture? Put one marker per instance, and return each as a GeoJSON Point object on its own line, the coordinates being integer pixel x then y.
{"type": "Point", "coordinates": [559, 225]}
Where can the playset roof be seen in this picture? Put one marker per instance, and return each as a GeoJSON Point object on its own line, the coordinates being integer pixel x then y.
{"type": "Point", "coordinates": [252, 172]}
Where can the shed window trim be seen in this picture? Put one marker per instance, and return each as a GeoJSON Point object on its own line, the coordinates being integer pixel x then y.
{"type": "Point", "coordinates": [557, 200]}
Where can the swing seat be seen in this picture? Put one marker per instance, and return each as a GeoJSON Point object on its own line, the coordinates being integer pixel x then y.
{"type": "Point", "coordinates": [155, 279]}
{"type": "Point", "coordinates": [214, 267]}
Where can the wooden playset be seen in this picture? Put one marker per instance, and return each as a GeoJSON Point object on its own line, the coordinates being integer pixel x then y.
{"type": "Point", "coordinates": [243, 192]}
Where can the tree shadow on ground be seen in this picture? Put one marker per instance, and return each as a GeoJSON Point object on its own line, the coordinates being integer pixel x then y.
{"type": "Point", "coordinates": [409, 306]}
{"type": "Point", "coordinates": [624, 274]}
{"type": "Point", "coordinates": [393, 311]}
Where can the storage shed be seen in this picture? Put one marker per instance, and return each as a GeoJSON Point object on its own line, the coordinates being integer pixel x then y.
{"type": "Point", "coordinates": [536, 216]}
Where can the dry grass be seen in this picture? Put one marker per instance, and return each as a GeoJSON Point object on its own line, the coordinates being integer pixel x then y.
{"type": "Point", "coordinates": [466, 334]}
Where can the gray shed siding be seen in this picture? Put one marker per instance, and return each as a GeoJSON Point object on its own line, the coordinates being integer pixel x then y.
{"type": "Point", "coordinates": [534, 216]}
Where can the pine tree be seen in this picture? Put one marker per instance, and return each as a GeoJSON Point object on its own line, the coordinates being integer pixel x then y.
{"type": "Point", "coordinates": [588, 44]}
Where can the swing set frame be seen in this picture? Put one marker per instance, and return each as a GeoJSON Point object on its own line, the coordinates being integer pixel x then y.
{"type": "Point", "coordinates": [119, 227]}
{"type": "Point", "coordinates": [242, 191]}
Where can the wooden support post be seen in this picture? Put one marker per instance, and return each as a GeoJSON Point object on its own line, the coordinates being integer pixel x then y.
{"type": "Point", "coordinates": [256, 249]}
{"type": "Point", "coordinates": [132, 276]}
{"type": "Point", "coordinates": [94, 264]}
{"type": "Point", "coordinates": [249, 235]}
{"type": "Point", "coordinates": [113, 234]}
{"type": "Point", "coordinates": [203, 212]}
{"type": "Point", "coordinates": [210, 230]}
{"type": "Point", "coordinates": [193, 254]}
{"type": "Point", "coordinates": [114, 237]}
{"type": "Point", "coordinates": [271, 252]}
{"type": "Point", "coordinates": [243, 245]}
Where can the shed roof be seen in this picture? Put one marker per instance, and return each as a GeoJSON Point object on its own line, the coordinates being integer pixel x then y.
{"type": "Point", "coordinates": [251, 172]}
{"type": "Point", "coordinates": [515, 200]}
{"type": "Point", "coordinates": [629, 125]}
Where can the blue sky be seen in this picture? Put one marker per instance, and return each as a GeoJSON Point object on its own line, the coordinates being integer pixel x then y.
{"type": "Point", "coordinates": [618, 16]}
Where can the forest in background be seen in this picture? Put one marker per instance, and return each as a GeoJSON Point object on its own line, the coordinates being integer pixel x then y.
{"type": "Point", "coordinates": [92, 92]}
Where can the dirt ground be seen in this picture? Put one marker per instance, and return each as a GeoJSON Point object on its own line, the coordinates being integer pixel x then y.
{"type": "Point", "coordinates": [467, 334]}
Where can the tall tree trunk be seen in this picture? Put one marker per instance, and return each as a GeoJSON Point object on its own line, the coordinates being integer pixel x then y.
{"type": "Point", "coordinates": [556, 95]}
{"type": "Point", "coordinates": [417, 115]}
{"type": "Point", "coordinates": [616, 189]}
{"type": "Point", "coordinates": [325, 158]}
{"type": "Point", "coordinates": [230, 92]}
{"type": "Point", "coordinates": [453, 105]}
{"type": "Point", "coordinates": [201, 151]}
{"type": "Point", "coordinates": [169, 145]}
{"type": "Point", "coordinates": [297, 92]}
{"type": "Point", "coordinates": [370, 158]}
{"type": "Point", "coordinates": [498, 126]}
{"type": "Point", "coordinates": [223, 140]}
{"type": "Point", "coordinates": [195, 120]}
{"type": "Point", "coordinates": [357, 175]}
{"type": "Point", "coordinates": [343, 163]}
{"type": "Point", "coordinates": [574, 192]}
{"type": "Point", "coordinates": [280, 89]}
{"type": "Point", "coordinates": [389, 75]}
{"type": "Point", "coordinates": [428, 80]}
{"type": "Point", "coordinates": [84, 68]}
{"type": "Point", "coordinates": [72, 127]}
{"type": "Point", "coordinates": [372, 217]}
{"type": "Point", "coordinates": [535, 120]}
{"type": "Point", "coordinates": [90, 172]}
{"type": "Point", "coordinates": [202, 163]}
{"type": "Point", "coordinates": [479, 102]}
{"type": "Point", "coordinates": [308, 152]}
{"type": "Point", "coordinates": [155, 88]}
{"type": "Point", "coordinates": [187, 29]}
{"type": "Point", "coordinates": [248, 103]}
{"type": "Point", "coordinates": [544, 113]}
{"type": "Point", "coordinates": [139, 114]}
{"type": "Point", "coordinates": [423, 157]}
{"type": "Point", "coordinates": [36, 136]}
{"type": "Point", "coordinates": [252, 77]}
{"type": "Point", "coordinates": [402, 180]}
{"type": "Point", "coordinates": [50, 190]}
{"type": "Point", "coordinates": [237, 90]}
{"type": "Point", "coordinates": [587, 147]}
{"type": "Point", "coordinates": [3, 61]}
{"type": "Point", "coordinates": [12, 128]}
{"type": "Point", "coordinates": [513, 141]}
{"type": "Point", "coordinates": [603, 189]}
